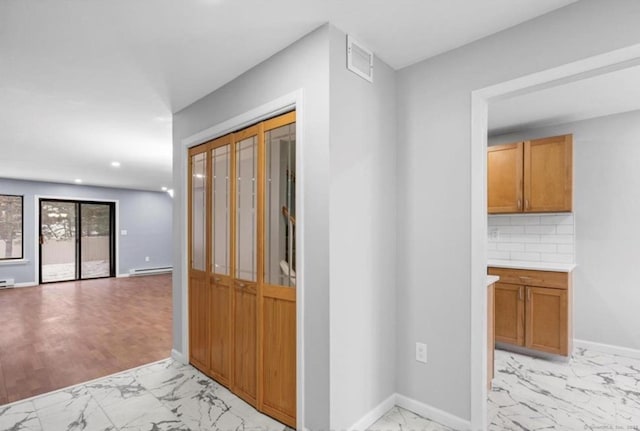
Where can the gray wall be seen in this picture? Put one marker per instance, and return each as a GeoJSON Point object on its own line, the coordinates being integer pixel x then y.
{"type": "Point", "coordinates": [607, 214]}
{"type": "Point", "coordinates": [303, 65]}
{"type": "Point", "coordinates": [434, 189]}
{"type": "Point", "coordinates": [362, 237]}
{"type": "Point", "coordinates": [145, 215]}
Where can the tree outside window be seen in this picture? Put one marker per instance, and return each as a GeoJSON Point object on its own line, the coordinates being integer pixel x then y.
{"type": "Point", "coordinates": [10, 227]}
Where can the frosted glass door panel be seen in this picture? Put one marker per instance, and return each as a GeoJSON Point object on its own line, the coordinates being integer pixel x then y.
{"type": "Point", "coordinates": [246, 170]}
{"type": "Point", "coordinates": [280, 206]}
{"type": "Point", "coordinates": [198, 211]}
{"type": "Point", "coordinates": [221, 161]}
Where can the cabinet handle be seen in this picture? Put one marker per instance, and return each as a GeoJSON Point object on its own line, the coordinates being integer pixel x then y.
{"type": "Point", "coordinates": [520, 294]}
{"type": "Point", "coordinates": [519, 204]}
{"type": "Point", "coordinates": [526, 204]}
{"type": "Point", "coordinates": [241, 285]}
{"type": "Point", "coordinates": [528, 294]}
{"type": "Point", "coordinates": [217, 279]}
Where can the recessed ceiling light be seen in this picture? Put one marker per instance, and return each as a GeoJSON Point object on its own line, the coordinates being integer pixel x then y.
{"type": "Point", "coordinates": [77, 181]}
{"type": "Point", "coordinates": [115, 164]}
{"type": "Point", "coordinates": [164, 189]}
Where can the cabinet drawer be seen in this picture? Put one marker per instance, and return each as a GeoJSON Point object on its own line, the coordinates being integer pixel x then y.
{"type": "Point", "coordinates": [552, 279]}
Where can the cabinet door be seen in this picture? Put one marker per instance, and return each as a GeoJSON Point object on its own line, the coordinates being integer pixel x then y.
{"type": "Point", "coordinates": [548, 174]}
{"type": "Point", "coordinates": [546, 320]}
{"type": "Point", "coordinates": [504, 174]}
{"type": "Point", "coordinates": [509, 313]}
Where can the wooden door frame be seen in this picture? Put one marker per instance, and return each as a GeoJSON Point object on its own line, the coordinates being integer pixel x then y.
{"type": "Point", "coordinates": [480, 98]}
{"type": "Point", "coordinates": [273, 108]}
{"type": "Point", "coordinates": [36, 227]}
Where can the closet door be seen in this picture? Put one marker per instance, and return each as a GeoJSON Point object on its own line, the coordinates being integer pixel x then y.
{"type": "Point", "coordinates": [220, 270]}
{"type": "Point", "coordinates": [199, 299]}
{"type": "Point", "coordinates": [245, 269]}
{"type": "Point", "coordinates": [277, 312]}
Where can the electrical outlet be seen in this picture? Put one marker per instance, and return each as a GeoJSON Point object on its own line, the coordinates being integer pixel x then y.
{"type": "Point", "coordinates": [493, 233]}
{"type": "Point", "coordinates": [146, 259]}
{"type": "Point", "coordinates": [421, 352]}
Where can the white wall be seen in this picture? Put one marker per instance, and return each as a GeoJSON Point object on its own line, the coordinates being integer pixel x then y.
{"type": "Point", "coordinates": [607, 213]}
{"type": "Point", "coordinates": [303, 65]}
{"type": "Point", "coordinates": [362, 237]}
{"type": "Point", "coordinates": [434, 183]}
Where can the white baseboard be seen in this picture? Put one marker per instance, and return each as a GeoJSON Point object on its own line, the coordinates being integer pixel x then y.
{"type": "Point", "coordinates": [424, 410]}
{"type": "Point", "coordinates": [122, 275]}
{"type": "Point", "coordinates": [179, 357]}
{"type": "Point", "coordinates": [433, 413]}
{"type": "Point", "coordinates": [374, 414]}
{"type": "Point", "coordinates": [26, 284]}
{"type": "Point", "coordinates": [607, 348]}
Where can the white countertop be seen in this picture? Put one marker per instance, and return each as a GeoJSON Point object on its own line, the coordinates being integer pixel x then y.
{"type": "Point", "coordinates": [539, 266]}
{"type": "Point", "coordinates": [492, 279]}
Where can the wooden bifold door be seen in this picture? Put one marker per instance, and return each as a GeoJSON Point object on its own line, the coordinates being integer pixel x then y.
{"type": "Point", "coordinates": [242, 254]}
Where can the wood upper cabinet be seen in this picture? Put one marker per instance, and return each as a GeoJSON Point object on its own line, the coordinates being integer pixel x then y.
{"type": "Point", "coordinates": [504, 173]}
{"type": "Point", "coordinates": [533, 309]}
{"type": "Point", "coordinates": [531, 176]}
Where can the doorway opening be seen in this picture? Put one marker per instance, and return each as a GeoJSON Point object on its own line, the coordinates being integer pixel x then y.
{"type": "Point", "coordinates": [481, 100]}
{"type": "Point", "coordinates": [76, 240]}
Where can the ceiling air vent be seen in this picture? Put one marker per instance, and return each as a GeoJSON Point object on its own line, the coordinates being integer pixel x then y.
{"type": "Point", "coordinates": [359, 59]}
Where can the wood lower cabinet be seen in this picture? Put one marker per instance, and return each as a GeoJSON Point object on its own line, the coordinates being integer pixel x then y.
{"type": "Point", "coordinates": [547, 320]}
{"type": "Point", "coordinates": [509, 313]}
{"type": "Point", "coordinates": [531, 176]}
{"type": "Point", "coordinates": [533, 309]}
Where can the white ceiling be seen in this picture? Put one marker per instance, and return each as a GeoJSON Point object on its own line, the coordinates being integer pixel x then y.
{"type": "Point", "coordinates": [87, 82]}
{"type": "Point", "coordinates": [606, 94]}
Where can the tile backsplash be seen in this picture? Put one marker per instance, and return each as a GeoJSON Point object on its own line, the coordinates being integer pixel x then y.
{"type": "Point", "coordinates": [533, 238]}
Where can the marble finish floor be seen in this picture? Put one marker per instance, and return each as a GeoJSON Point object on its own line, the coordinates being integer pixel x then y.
{"type": "Point", "coordinates": [163, 396]}
{"type": "Point", "coordinates": [594, 391]}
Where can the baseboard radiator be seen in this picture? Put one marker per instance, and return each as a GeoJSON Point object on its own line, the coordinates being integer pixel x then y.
{"type": "Point", "coordinates": [150, 271]}
{"type": "Point", "coordinates": [6, 283]}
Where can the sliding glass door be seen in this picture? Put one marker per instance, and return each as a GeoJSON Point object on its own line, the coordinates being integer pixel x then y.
{"type": "Point", "coordinates": [77, 240]}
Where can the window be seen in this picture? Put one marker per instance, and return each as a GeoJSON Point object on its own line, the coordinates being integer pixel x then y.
{"type": "Point", "coordinates": [10, 227]}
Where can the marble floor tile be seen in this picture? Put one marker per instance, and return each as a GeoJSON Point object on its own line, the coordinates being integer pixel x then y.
{"type": "Point", "coordinates": [162, 396]}
{"type": "Point", "coordinates": [80, 413]}
{"type": "Point", "coordinates": [399, 419]}
{"type": "Point", "coordinates": [19, 417]}
{"type": "Point", "coordinates": [592, 391]}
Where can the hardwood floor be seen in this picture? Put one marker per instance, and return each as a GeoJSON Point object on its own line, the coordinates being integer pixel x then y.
{"type": "Point", "coordinates": [60, 334]}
